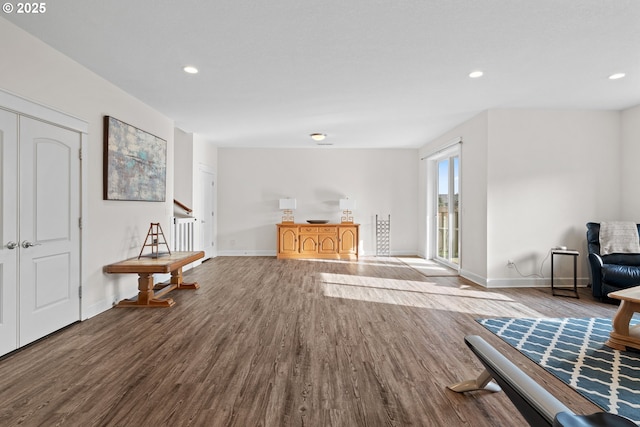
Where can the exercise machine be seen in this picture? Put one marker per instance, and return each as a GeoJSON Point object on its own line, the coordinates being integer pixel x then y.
{"type": "Point", "coordinates": [537, 405]}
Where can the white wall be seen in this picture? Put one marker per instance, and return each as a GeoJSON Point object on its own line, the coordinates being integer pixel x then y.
{"type": "Point", "coordinates": [630, 179]}
{"type": "Point", "coordinates": [549, 173]}
{"type": "Point", "coordinates": [183, 180]}
{"type": "Point", "coordinates": [253, 180]}
{"type": "Point", "coordinates": [531, 180]}
{"type": "Point", "coordinates": [193, 153]}
{"type": "Point", "coordinates": [205, 157]}
{"type": "Point", "coordinates": [115, 230]}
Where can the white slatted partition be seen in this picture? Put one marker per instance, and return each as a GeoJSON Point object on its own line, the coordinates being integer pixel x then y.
{"type": "Point", "coordinates": [182, 232]}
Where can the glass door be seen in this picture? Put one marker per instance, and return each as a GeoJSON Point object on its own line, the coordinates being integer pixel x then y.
{"type": "Point", "coordinates": [448, 207]}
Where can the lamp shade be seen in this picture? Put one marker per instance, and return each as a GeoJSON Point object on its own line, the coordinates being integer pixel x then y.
{"type": "Point", "coordinates": [287, 203]}
{"type": "Point", "coordinates": [347, 204]}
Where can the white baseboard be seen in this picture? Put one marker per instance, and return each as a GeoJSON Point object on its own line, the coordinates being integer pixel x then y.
{"type": "Point", "coordinates": [521, 282]}
{"type": "Point", "coordinates": [478, 280]}
{"type": "Point", "coordinates": [405, 253]}
{"type": "Point", "coordinates": [247, 253]}
{"type": "Point", "coordinates": [273, 253]}
{"type": "Point", "coordinates": [534, 282]}
{"type": "Point", "coordinates": [95, 309]}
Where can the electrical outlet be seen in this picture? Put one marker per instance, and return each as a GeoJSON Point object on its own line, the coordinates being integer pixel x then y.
{"type": "Point", "coordinates": [510, 264]}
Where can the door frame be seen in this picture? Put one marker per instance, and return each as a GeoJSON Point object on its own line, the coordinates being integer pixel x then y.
{"type": "Point", "coordinates": [9, 302]}
{"type": "Point", "coordinates": [35, 110]}
{"type": "Point", "coordinates": [453, 149]}
{"type": "Point", "coordinates": [204, 168]}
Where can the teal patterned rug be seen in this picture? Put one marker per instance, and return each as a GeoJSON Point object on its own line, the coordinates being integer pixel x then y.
{"type": "Point", "coordinates": [573, 350]}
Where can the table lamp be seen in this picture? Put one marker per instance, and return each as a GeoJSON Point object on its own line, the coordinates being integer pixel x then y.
{"type": "Point", "coordinates": [347, 205]}
{"type": "Point", "coordinates": [287, 206]}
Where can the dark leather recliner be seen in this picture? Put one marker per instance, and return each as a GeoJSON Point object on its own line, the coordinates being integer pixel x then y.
{"type": "Point", "coordinates": [610, 273]}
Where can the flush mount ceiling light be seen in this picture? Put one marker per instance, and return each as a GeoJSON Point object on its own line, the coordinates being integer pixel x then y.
{"type": "Point", "coordinates": [318, 136]}
{"type": "Point", "coordinates": [190, 69]}
{"type": "Point", "coordinates": [616, 76]}
{"type": "Point", "coordinates": [476, 74]}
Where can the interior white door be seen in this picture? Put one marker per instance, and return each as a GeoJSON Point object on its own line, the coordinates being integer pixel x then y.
{"type": "Point", "coordinates": [207, 221]}
{"type": "Point", "coordinates": [49, 228]}
{"type": "Point", "coordinates": [8, 231]}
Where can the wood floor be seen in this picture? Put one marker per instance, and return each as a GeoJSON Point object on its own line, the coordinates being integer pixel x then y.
{"type": "Point", "coordinates": [268, 342]}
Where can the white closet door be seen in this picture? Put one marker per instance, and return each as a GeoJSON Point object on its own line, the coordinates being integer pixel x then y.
{"type": "Point", "coordinates": [207, 212]}
{"type": "Point", "coordinates": [8, 231]}
{"type": "Point", "coordinates": [49, 228]}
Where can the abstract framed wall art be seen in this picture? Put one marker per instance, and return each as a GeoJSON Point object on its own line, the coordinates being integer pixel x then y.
{"type": "Point", "coordinates": [135, 163]}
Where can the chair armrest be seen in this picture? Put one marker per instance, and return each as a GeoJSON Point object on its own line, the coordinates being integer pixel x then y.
{"type": "Point", "coordinates": [595, 271]}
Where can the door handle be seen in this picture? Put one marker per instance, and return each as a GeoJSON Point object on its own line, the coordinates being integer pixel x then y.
{"type": "Point", "coordinates": [27, 245]}
{"type": "Point", "coordinates": [12, 245]}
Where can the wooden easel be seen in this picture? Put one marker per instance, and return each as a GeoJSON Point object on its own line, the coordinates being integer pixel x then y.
{"type": "Point", "coordinates": [155, 234]}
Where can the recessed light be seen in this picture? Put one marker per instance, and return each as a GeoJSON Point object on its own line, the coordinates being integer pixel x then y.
{"type": "Point", "coordinates": [318, 136]}
{"type": "Point", "coordinates": [190, 69]}
{"type": "Point", "coordinates": [616, 76]}
{"type": "Point", "coordinates": [476, 74]}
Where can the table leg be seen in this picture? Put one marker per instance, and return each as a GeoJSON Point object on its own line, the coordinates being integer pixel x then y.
{"type": "Point", "coordinates": [560, 292]}
{"type": "Point", "coordinates": [176, 279]}
{"type": "Point", "coordinates": [553, 292]}
{"type": "Point", "coordinates": [145, 288]}
{"type": "Point", "coordinates": [146, 295]}
{"type": "Point", "coordinates": [620, 337]}
{"type": "Point", "coordinates": [575, 276]}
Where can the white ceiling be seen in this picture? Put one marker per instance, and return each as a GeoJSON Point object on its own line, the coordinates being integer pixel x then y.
{"type": "Point", "coordinates": [368, 73]}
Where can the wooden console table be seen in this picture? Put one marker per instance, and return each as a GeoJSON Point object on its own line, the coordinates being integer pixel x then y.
{"type": "Point", "coordinates": [148, 294]}
{"type": "Point", "coordinates": [623, 335]}
{"type": "Point", "coordinates": [323, 241]}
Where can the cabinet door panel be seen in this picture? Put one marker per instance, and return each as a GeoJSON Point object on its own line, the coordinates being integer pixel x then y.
{"type": "Point", "coordinates": [348, 240]}
{"type": "Point", "coordinates": [327, 244]}
{"type": "Point", "coordinates": [308, 244]}
{"type": "Point", "coordinates": [288, 241]}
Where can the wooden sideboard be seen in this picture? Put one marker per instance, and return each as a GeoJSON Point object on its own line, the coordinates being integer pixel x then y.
{"type": "Point", "coordinates": [327, 241]}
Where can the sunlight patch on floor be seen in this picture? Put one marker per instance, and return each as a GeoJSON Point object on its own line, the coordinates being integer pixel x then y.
{"type": "Point", "coordinates": [429, 295]}
{"type": "Point", "coordinates": [372, 261]}
{"type": "Point", "coordinates": [364, 260]}
{"type": "Point", "coordinates": [428, 267]}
